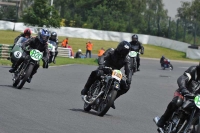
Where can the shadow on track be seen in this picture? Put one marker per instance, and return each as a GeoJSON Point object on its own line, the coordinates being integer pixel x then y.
{"type": "Point", "coordinates": [10, 86]}
{"type": "Point", "coordinates": [90, 112]}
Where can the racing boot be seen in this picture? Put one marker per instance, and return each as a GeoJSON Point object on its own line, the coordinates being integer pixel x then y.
{"type": "Point", "coordinates": [29, 79]}
{"type": "Point", "coordinates": [12, 70]}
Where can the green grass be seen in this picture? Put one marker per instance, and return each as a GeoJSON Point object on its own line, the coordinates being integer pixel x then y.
{"type": "Point", "coordinates": [62, 61]}
{"type": "Point", "coordinates": [151, 51]}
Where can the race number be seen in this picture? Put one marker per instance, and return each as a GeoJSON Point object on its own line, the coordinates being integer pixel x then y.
{"type": "Point", "coordinates": [36, 54]}
{"type": "Point", "coordinates": [17, 54]}
{"type": "Point", "coordinates": [197, 101]}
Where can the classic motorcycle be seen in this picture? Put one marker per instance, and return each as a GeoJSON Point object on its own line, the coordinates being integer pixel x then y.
{"type": "Point", "coordinates": [133, 56]}
{"type": "Point", "coordinates": [186, 119]}
{"type": "Point", "coordinates": [17, 51]}
{"type": "Point", "coordinates": [103, 92]}
{"type": "Point", "coordinates": [52, 50]}
{"type": "Point", "coordinates": [26, 67]}
{"type": "Point", "coordinates": [167, 64]}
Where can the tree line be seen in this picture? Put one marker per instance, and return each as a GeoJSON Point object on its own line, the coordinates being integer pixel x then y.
{"type": "Point", "coordinates": [133, 16]}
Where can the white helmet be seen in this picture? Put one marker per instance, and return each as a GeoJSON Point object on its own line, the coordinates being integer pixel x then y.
{"type": "Point", "coordinates": [79, 50]}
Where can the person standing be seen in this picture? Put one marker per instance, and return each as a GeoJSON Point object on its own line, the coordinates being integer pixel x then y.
{"type": "Point", "coordinates": [89, 46]}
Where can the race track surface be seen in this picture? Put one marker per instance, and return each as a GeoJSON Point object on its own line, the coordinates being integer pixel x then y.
{"type": "Point", "coordinates": [51, 103]}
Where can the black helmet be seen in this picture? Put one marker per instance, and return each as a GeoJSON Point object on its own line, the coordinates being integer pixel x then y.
{"type": "Point", "coordinates": [123, 48]}
{"type": "Point", "coordinates": [53, 36]}
{"type": "Point", "coordinates": [135, 38]}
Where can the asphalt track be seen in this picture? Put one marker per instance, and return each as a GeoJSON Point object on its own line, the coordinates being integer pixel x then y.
{"type": "Point", "coordinates": [51, 103]}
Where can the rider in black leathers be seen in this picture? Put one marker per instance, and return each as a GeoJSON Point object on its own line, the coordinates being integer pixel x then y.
{"type": "Point", "coordinates": [54, 38]}
{"type": "Point", "coordinates": [186, 83]}
{"type": "Point", "coordinates": [137, 46]}
{"type": "Point", "coordinates": [116, 59]}
{"type": "Point", "coordinates": [40, 43]}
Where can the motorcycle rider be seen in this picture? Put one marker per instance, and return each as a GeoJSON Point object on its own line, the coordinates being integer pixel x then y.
{"type": "Point", "coordinates": [54, 38]}
{"type": "Point", "coordinates": [116, 59]}
{"type": "Point", "coordinates": [136, 46]}
{"type": "Point", "coordinates": [187, 85]}
{"type": "Point", "coordinates": [27, 34]}
{"type": "Point", "coordinates": [40, 43]}
{"type": "Point", "coordinates": [162, 59]}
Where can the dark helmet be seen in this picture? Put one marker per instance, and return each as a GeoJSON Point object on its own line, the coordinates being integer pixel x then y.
{"type": "Point", "coordinates": [53, 36]}
{"type": "Point", "coordinates": [135, 38]}
{"type": "Point", "coordinates": [123, 48]}
{"type": "Point", "coordinates": [43, 35]}
{"type": "Point", "coordinates": [27, 32]}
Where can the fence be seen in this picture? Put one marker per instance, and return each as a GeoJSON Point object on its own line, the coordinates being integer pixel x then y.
{"type": "Point", "coordinates": [5, 51]}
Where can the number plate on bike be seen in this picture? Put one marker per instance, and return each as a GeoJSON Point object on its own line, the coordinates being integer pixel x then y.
{"type": "Point", "coordinates": [117, 74]}
{"type": "Point", "coordinates": [197, 101]}
{"type": "Point", "coordinates": [36, 54]}
{"type": "Point", "coordinates": [132, 54]}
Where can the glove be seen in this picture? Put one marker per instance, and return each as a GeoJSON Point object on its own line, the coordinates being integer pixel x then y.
{"type": "Point", "coordinates": [142, 52]}
{"type": "Point", "coordinates": [185, 91]}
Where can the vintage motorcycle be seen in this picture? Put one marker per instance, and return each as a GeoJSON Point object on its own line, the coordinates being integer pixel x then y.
{"type": "Point", "coordinates": [26, 67]}
{"type": "Point", "coordinates": [167, 64]}
{"type": "Point", "coordinates": [17, 51]}
{"type": "Point", "coordinates": [133, 56]}
{"type": "Point", "coordinates": [103, 92]}
{"type": "Point", "coordinates": [186, 119]}
{"type": "Point", "coordinates": [52, 50]}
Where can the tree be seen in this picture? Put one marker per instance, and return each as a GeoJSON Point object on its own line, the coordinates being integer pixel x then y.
{"type": "Point", "coordinates": [40, 14]}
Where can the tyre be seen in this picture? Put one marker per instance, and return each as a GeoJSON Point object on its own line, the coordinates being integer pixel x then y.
{"type": "Point", "coordinates": [87, 107]}
{"type": "Point", "coordinates": [171, 67]}
{"type": "Point", "coordinates": [28, 73]}
{"type": "Point", "coordinates": [16, 81]}
{"type": "Point", "coordinates": [104, 106]}
{"type": "Point", "coordinates": [194, 126]}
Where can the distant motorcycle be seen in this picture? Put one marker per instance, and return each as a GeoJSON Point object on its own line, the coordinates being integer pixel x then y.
{"type": "Point", "coordinates": [133, 56]}
{"type": "Point", "coordinates": [52, 50]}
{"type": "Point", "coordinates": [166, 64]}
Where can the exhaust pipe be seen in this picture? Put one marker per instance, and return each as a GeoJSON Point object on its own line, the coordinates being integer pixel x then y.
{"type": "Point", "coordinates": [156, 119]}
{"type": "Point", "coordinates": [93, 99]}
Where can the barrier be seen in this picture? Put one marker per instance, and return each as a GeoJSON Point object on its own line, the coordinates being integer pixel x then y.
{"type": "Point", "coordinates": [5, 51]}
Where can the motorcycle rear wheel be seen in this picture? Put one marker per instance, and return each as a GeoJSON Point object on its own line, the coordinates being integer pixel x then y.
{"type": "Point", "coordinates": [28, 73]}
{"type": "Point", "coordinates": [104, 105]}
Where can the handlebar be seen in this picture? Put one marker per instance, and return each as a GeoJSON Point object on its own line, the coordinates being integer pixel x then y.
{"type": "Point", "coordinates": [190, 96]}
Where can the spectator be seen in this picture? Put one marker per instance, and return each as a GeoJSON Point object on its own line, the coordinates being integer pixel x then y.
{"type": "Point", "coordinates": [79, 54]}
{"type": "Point", "coordinates": [89, 46]}
{"type": "Point", "coordinates": [65, 42]}
{"type": "Point", "coordinates": [66, 45]}
{"type": "Point", "coordinates": [101, 51]}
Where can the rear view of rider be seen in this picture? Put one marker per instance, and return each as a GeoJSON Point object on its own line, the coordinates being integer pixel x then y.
{"type": "Point", "coordinates": [162, 61]}
{"type": "Point", "coordinates": [40, 43]}
{"type": "Point", "coordinates": [54, 38]}
{"type": "Point", "coordinates": [187, 83]}
{"type": "Point", "coordinates": [116, 59]}
{"type": "Point", "coordinates": [137, 46]}
{"type": "Point", "coordinates": [26, 34]}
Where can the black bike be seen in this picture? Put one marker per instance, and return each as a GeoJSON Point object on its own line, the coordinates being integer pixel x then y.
{"type": "Point", "coordinates": [26, 67]}
{"type": "Point", "coordinates": [103, 92]}
{"type": "Point", "coordinates": [186, 119]}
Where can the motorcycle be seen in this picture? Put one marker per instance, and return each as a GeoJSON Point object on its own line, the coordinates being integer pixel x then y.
{"type": "Point", "coordinates": [167, 64]}
{"type": "Point", "coordinates": [52, 50]}
{"type": "Point", "coordinates": [17, 51]}
{"type": "Point", "coordinates": [133, 56]}
{"type": "Point", "coordinates": [185, 119]}
{"type": "Point", "coordinates": [103, 92]}
{"type": "Point", "coordinates": [26, 67]}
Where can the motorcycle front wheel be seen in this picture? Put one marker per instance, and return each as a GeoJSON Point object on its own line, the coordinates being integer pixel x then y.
{"type": "Point", "coordinates": [104, 105]}
{"type": "Point", "coordinates": [27, 74]}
